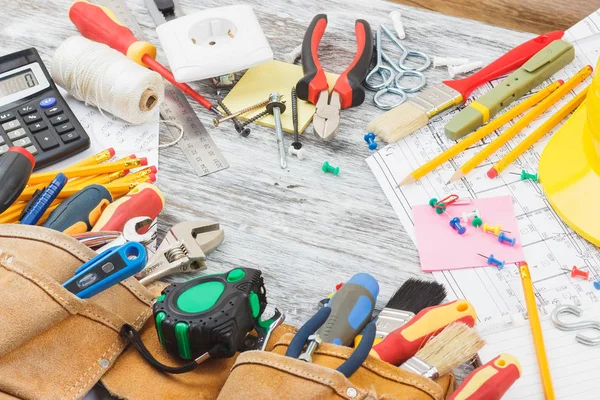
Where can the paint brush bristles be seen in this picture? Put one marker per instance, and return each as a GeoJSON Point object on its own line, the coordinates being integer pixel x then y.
{"type": "Point", "coordinates": [416, 294]}
{"type": "Point", "coordinates": [456, 344]}
{"type": "Point", "coordinates": [398, 122]}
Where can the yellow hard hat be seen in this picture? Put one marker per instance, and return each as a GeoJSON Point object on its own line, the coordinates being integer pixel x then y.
{"type": "Point", "coordinates": [570, 167]}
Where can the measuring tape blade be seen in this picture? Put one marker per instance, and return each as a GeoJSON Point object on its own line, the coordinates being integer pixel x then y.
{"type": "Point", "coordinates": [196, 143]}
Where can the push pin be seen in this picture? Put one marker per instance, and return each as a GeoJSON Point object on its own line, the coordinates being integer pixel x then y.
{"type": "Point", "coordinates": [502, 238]}
{"type": "Point", "coordinates": [597, 285]}
{"type": "Point", "coordinates": [524, 175]}
{"type": "Point", "coordinates": [493, 261]}
{"type": "Point", "coordinates": [370, 139]}
{"type": "Point", "coordinates": [496, 230]}
{"type": "Point", "coordinates": [329, 169]}
{"type": "Point", "coordinates": [477, 222]}
{"type": "Point", "coordinates": [440, 207]}
{"type": "Point", "coordinates": [467, 216]}
{"type": "Point", "coordinates": [578, 273]}
{"type": "Point", "coordinates": [455, 223]}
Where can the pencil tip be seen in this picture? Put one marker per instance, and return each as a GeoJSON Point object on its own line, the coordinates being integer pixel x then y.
{"type": "Point", "coordinates": [407, 180]}
{"type": "Point", "coordinates": [457, 175]}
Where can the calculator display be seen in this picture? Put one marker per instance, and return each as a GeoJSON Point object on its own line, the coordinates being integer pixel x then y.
{"type": "Point", "coordinates": [15, 83]}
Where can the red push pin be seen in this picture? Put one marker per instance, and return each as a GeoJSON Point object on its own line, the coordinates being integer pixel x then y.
{"type": "Point", "coordinates": [578, 273]}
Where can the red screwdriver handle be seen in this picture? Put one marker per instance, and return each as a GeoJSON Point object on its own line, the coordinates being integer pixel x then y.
{"type": "Point", "coordinates": [505, 64]}
{"type": "Point", "coordinates": [490, 381]}
{"type": "Point", "coordinates": [100, 24]}
{"type": "Point", "coordinates": [314, 81]}
{"type": "Point", "coordinates": [404, 342]}
{"type": "Point", "coordinates": [349, 84]}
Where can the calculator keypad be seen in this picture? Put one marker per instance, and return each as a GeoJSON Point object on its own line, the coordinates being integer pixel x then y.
{"type": "Point", "coordinates": [42, 126]}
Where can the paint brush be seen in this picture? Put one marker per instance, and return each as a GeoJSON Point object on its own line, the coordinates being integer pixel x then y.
{"type": "Point", "coordinates": [456, 344]}
{"type": "Point", "coordinates": [401, 121]}
{"type": "Point", "coordinates": [413, 296]}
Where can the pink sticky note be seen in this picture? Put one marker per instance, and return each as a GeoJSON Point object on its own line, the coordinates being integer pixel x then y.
{"type": "Point", "coordinates": [442, 248]}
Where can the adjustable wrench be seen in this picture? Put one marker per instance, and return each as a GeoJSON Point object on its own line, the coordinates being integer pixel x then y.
{"type": "Point", "coordinates": [184, 249]}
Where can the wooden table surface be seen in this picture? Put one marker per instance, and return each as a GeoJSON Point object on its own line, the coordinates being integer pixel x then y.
{"type": "Point", "coordinates": [304, 229]}
{"type": "Point", "coordinates": [307, 231]}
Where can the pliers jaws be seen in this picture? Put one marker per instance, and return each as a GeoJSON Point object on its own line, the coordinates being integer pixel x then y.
{"type": "Point", "coordinates": [326, 121]}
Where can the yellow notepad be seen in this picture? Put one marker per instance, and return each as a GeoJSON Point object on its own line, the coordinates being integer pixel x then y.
{"type": "Point", "coordinates": [274, 76]}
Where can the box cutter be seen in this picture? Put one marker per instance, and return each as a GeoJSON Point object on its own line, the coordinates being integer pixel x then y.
{"type": "Point", "coordinates": [184, 249]}
{"type": "Point", "coordinates": [107, 269]}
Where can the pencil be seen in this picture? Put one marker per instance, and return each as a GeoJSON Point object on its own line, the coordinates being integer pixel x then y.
{"type": "Point", "coordinates": [536, 331]}
{"type": "Point", "coordinates": [96, 159]}
{"type": "Point", "coordinates": [521, 123]}
{"type": "Point", "coordinates": [480, 134]}
{"type": "Point", "coordinates": [89, 180]}
{"type": "Point", "coordinates": [537, 134]}
{"type": "Point", "coordinates": [100, 169]}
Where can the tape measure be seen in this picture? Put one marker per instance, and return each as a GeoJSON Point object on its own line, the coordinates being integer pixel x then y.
{"type": "Point", "coordinates": [210, 315]}
{"type": "Point", "coordinates": [196, 143]}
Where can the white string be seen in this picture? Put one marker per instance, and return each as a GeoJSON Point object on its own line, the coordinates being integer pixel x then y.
{"type": "Point", "coordinates": [98, 75]}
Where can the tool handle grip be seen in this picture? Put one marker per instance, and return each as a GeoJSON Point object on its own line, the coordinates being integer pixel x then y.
{"type": "Point", "coordinates": [99, 23]}
{"type": "Point", "coordinates": [510, 61]}
{"type": "Point", "coordinates": [144, 200]}
{"type": "Point", "coordinates": [314, 81]}
{"type": "Point", "coordinates": [349, 84]}
{"type": "Point", "coordinates": [351, 309]}
{"type": "Point", "coordinates": [490, 381]}
{"type": "Point", "coordinates": [16, 166]}
{"type": "Point", "coordinates": [404, 342]}
{"type": "Point", "coordinates": [80, 212]}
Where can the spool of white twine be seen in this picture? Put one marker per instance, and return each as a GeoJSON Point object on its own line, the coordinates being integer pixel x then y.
{"type": "Point", "coordinates": [98, 75]}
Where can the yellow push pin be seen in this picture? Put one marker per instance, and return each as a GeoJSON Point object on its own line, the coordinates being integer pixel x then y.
{"type": "Point", "coordinates": [487, 228]}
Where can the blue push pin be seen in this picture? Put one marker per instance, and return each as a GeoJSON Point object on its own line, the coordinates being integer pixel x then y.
{"type": "Point", "coordinates": [493, 261]}
{"type": "Point", "coordinates": [597, 285]}
{"type": "Point", "coordinates": [370, 138]}
{"type": "Point", "coordinates": [455, 223]}
{"type": "Point", "coordinates": [502, 238]}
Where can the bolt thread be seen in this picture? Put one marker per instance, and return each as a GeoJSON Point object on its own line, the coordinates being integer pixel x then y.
{"type": "Point", "coordinates": [236, 122]}
{"type": "Point", "coordinates": [295, 113]}
{"type": "Point", "coordinates": [253, 107]}
{"type": "Point", "coordinates": [254, 118]}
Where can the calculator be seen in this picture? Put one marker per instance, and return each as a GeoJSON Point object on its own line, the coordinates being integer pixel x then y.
{"type": "Point", "coordinates": [33, 114]}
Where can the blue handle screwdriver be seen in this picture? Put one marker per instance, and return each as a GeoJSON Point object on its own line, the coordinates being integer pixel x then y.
{"type": "Point", "coordinates": [351, 309]}
{"type": "Point", "coordinates": [36, 210]}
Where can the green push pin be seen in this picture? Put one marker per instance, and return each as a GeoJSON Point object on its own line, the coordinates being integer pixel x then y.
{"type": "Point", "coordinates": [440, 208]}
{"type": "Point", "coordinates": [525, 175]}
{"type": "Point", "coordinates": [329, 169]}
{"type": "Point", "coordinates": [477, 222]}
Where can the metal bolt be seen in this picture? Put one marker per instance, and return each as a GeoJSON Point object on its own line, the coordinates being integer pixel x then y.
{"type": "Point", "coordinates": [238, 126]}
{"type": "Point", "coordinates": [276, 107]}
{"type": "Point", "coordinates": [216, 121]}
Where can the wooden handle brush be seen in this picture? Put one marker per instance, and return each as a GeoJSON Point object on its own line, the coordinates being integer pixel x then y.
{"type": "Point", "coordinates": [456, 344]}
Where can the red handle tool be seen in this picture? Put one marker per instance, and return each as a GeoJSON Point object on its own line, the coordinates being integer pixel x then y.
{"type": "Point", "coordinates": [404, 342]}
{"type": "Point", "coordinates": [490, 381]}
{"type": "Point", "coordinates": [100, 24]}
{"type": "Point", "coordinates": [145, 200]}
{"type": "Point", "coordinates": [503, 65]}
{"type": "Point", "coordinates": [349, 84]}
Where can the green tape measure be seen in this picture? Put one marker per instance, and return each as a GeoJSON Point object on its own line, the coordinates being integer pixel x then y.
{"type": "Point", "coordinates": [194, 317]}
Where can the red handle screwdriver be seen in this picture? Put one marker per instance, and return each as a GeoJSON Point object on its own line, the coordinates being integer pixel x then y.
{"type": "Point", "coordinates": [100, 24]}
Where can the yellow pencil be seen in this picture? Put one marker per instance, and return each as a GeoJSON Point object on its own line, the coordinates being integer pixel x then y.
{"type": "Point", "coordinates": [96, 159]}
{"type": "Point", "coordinates": [480, 134]}
{"type": "Point", "coordinates": [537, 134]}
{"type": "Point", "coordinates": [536, 331]}
{"type": "Point", "coordinates": [105, 168]}
{"type": "Point", "coordinates": [90, 180]}
{"type": "Point", "coordinates": [521, 123]}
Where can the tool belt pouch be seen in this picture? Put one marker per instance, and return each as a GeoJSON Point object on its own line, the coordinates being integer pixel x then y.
{"type": "Point", "coordinates": [272, 375]}
{"type": "Point", "coordinates": [54, 345]}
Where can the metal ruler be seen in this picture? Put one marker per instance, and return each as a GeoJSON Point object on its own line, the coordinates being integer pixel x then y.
{"type": "Point", "coordinates": [196, 143]}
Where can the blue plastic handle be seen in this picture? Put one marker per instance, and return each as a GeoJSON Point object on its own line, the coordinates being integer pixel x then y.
{"type": "Point", "coordinates": [127, 260]}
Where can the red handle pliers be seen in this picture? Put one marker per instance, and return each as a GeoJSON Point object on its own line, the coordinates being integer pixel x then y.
{"type": "Point", "coordinates": [347, 91]}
